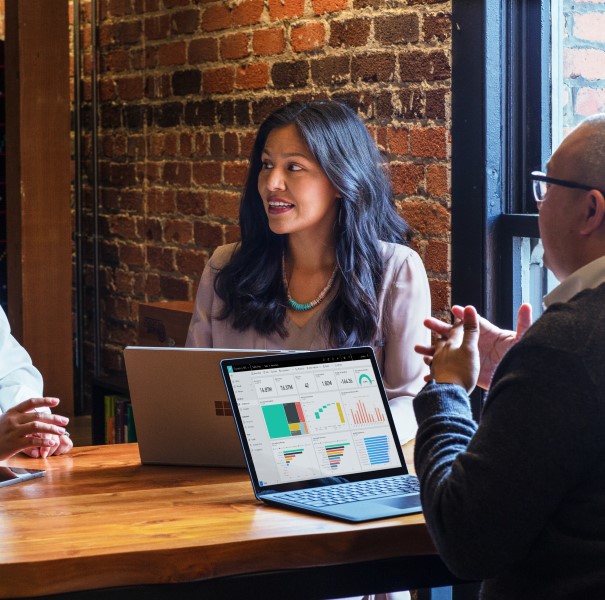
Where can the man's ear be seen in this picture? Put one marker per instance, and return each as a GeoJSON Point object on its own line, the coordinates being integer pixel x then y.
{"type": "Point", "coordinates": [594, 216]}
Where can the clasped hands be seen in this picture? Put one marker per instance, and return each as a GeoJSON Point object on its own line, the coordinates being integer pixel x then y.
{"type": "Point", "coordinates": [468, 351]}
{"type": "Point", "coordinates": [37, 433]}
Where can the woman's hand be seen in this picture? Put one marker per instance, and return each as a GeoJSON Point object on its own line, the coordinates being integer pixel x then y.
{"type": "Point", "coordinates": [23, 428]}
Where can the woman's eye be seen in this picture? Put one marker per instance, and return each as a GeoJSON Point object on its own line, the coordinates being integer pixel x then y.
{"type": "Point", "coordinates": [295, 168]}
{"type": "Point", "coordinates": [266, 165]}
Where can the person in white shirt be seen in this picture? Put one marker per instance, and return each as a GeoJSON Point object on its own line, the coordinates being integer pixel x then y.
{"type": "Point", "coordinates": [26, 423]}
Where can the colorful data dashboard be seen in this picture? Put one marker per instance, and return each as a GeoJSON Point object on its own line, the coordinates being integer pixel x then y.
{"type": "Point", "coordinates": [312, 421]}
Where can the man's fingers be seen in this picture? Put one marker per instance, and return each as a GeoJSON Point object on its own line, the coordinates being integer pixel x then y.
{"type": "Point", "coordinates": [425, 350]}
{"type": "Point", "coordinates": [523, 319]}
{"type": "Point", "coordinates": [470, 322]}
{"type": "Point", "coordinates": [436, 326]}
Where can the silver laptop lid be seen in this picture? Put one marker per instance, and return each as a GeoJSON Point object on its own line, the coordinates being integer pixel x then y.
{"type": "Point", "coordinates": [181, 410]}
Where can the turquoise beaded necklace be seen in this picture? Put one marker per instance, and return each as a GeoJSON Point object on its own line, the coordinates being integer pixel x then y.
{"type": "Point", "coordinates": [297, 306]}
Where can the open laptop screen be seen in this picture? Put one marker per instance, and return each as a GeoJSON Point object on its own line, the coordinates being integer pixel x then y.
{"type": "Point", "coordinates": [313, 416]}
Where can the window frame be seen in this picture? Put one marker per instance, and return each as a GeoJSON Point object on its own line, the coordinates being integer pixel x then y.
{"type": "Point", "coordinates": [500, 133]}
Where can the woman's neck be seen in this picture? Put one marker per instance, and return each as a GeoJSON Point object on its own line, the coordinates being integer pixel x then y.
{"type": "Point", "coordinates": [310, 255]}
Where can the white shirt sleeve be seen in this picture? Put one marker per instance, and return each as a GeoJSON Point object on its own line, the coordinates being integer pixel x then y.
{"type": "Point", "coordinates": [19, 379]}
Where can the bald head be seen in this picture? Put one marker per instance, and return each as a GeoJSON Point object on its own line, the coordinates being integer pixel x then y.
{"type": "Point", "coordinates": [583, 152]}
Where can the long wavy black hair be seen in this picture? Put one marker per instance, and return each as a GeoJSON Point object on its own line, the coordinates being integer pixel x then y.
{"type": "Point", "coordinates": [250, 285]}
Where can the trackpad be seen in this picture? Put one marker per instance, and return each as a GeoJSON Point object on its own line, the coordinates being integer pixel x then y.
{"type": "Point", "coordinates": [402, 502]}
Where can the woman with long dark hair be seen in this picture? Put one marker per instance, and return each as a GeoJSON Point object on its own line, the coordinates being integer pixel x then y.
{"type": "Point", "coordinates": [323, 260]}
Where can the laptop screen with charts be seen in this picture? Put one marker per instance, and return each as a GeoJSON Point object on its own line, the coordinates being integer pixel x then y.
{"type": "Point", "coordinates": [181, 411]}
{"type": "Point", "coordinates": [318, 435]}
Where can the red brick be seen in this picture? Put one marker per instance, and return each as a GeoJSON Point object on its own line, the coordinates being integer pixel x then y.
{"type": "Point", "coordinates": [153, 172]}
{"type": "Point", "coordinates": [216, 144]}
{"type": "Point", "coordinates": [428, 142]}
{"type": "Point", "coordinates": [151, 229]}
{"type": "Point", "coordinates": [157, 28]}
{"type": "Point", "coordinates": [268, 41]}
{"type": "Point", "coordinates": [437, 257]}
{"type": "Point", "coordinates": [252, 77]}
{"type": "Point", "coordinates": [120, 333]}
{"type": "Point", "coordinates": [218, 80]}
{"type": "Point", "coordinates": [185, 22]}
{"type": "Point", "coordinates": [161, 201]}
{"type": "Point", "coordinates": [351, 32]}
{"type": "Point", "coordinates": [201, 143]}
{"type": "Point", "coordinates": [247, 143]}
{"type": "Point", "coordinates": [329, 6]}
{"type": "Point", "coordinates": [106, 34]}
{"type": "Point", "coordinates": [174, 288]}
{"type": "Point", "coordinates": [119, 8]}
{"type": "Point", "coordinates": [437, 182]}
{"type": "Point", "coordinates": [161, 259]}
{"type": "Point", "coordinates": [247, 12]}
{"type": "Point", "coordinates": [117, 61]}
{"type": "Point", "coordinates": [232, 234]}
{"type": "Point", "coordinates": [234, 46]}
{"type": "Point", "coordinates": [135, 147]}
{"type": "Point", "coordinates": [132, 255]}
{"type": "Point", "coordinates": [279, 10]}
{"type": "Point", "coordinates": [437, 27]}
{"type": "Point", "coordinates": [177, 173]}
{"type": "Point", "coordinates": [185, 144]}
{"type": "Point", "coordinates": [179, 231]}
{"type": "Point", "coordinates": [235, 173]}
{"type": "Point", "coordinates": [123, 227]}
{"type": "Point", "coordinates": [130, 88]}
{"type": "Point", "coordinates": [406, 178]}
{"type": "Point", "coordinates": [440, 295]}
{"type": "Point", "coordinates": [128, 32]}
{"type": "Point", "coordinates": [171, 144]}
{"type": "Point", "coordinates": [207, 173]}
{"type": "Point", "coordinates": [216, 17]}
{"type": "Point", "coordinates": [202, 50]}
{"type": "Point", "coordinates": [590, 26]}
{"type": "Point", "coordinates": [398, 140]}
{"type": "Point", "coordinates": [175, 3]}
{"type": "Point", "coordinates": [107, 89]}
{"type": "Point", "coordinates": [132, 200]}
{"type": "Point", "coordinates": [110, 198]}
{"type": "Point", "coordinates": [174, 53]}
{"type": "Point", "coordinates": [231, 143]}
{"type": "Point", "coordinates": [119, 308]}
{"type": "Point", "coordinates": [590, 101]}
{"type": "Point", "coordinates": [208, 235]}
{"type": "Point", "coordinates": [584, 62]}
{"type": "Point", "coordinates": [191, 262]}
{"type": "Point", "coordinates": [224, 204]}
{"type": "Point", "coordinates": [307, 37]}
{"type": "Point", "coordinates": [191, 203]}
{"type": "Point", "coordinates": [428, 217]}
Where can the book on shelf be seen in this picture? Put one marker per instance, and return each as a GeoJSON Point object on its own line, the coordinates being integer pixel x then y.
{"type": "Point", "coordinates": [119, 420]}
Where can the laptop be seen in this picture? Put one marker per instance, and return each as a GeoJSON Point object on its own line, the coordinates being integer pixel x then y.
{"type": "Point", "coordinates": [318, 435]}
{"type": "Point", "coordinates": [181, 411]}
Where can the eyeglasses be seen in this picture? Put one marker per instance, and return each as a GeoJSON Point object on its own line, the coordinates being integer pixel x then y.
{"type": "Point", "coordinates": [541, 181]}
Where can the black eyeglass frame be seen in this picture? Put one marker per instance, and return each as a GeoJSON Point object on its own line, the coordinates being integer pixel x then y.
{"type": "Point", "coordinates": [540, 176]}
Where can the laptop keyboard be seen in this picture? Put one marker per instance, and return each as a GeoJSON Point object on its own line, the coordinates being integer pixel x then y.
{"type": "Point", "coordinates": [330, 495]}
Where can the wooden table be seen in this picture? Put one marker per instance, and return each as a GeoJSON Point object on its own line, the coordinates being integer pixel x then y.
{"type": "Point", "coordinates": [99, 520]}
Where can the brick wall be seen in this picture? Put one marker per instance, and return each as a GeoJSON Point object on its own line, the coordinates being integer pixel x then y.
{"type": "Point", "coordinates": [183, 87]}
{"type": "Point", "coordinates": [583, 49]}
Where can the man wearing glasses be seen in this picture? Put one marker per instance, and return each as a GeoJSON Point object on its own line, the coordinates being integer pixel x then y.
{"type": "Point", "coordinates": [519, 500]}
